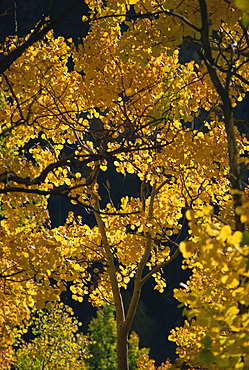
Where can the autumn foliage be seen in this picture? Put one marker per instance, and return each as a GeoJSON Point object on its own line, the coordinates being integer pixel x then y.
{"type": "Point", "coordinates": [121, 99]}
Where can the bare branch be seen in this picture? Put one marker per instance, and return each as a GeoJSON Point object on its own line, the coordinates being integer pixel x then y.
{"type": "Point", "coordinates": [195, 42]}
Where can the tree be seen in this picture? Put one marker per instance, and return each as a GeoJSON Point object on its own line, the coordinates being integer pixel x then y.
{"type": "Point", "coordinates": [103, 336]}
{"type": "Point", "coordinates": [57, 344]}
{"type": "Point", "coordinates": [128, 103]}
{"type": "Point", "coordinates": [103, 343]}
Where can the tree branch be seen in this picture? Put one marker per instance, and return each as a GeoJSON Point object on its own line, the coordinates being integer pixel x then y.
{"type": "Point", "coordinates": [195, 42]}
{"type": "Point", "coordinates": [140, 269]}
{"type": "Point", "coordinates": [146, 15]}
{"type": "Point", "coordinates": [223, 92]}
{"type": "Point", "coordinates": [40, 30]}
{"type": "Point", "coordinates": [160, 266]}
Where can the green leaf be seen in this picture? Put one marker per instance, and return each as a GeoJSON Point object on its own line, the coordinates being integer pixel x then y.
{"type": "Point", "coordinates": [170, 52]}
{"type": "Point", "coordinates": [207, 356]}
{"type": "Point", "coordinates": [207, 341]}
{"type": "Point", "coordinates": [223, 362]}
{"type": "Point", "coordinates": [242, 4]}
{"type": "Point", "coordinates": [247, 265]}
{"type": "Point", "coordinates": [245, 239]}
{"type": "Point", "coordinates": [245, 19]}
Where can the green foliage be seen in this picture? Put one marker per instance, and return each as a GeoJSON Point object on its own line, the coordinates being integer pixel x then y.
{"type": "Point", "coordinates": [103, 342]}
{"type": "Point", "coordinates": [57, 345]}
{"type": "Point", "coordinates": [134, 351]}
{"type": "Point", "coordinates": [245, 19]}
{"type": "Point", "coordinates": [242, 4]}
{"type": "Point", "coordinates": [103, 334]}
{"type": "Point", "coordinates": [207, 356]}
{"type": "Point", "coordinates": [245, 238]}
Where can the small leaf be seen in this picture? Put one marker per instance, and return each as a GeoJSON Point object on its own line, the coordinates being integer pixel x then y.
{"type": "Point", "coordinates": [242, 4]}
{"type": "Point", "coordinates": [186, 249]}
{"type": "Point", "coordinates": [126, 280]}
{"type": "Point", "coordinates": [247, 265]}
{"type": "Point", "coordinates": [231, 280]}
{"type": "Point", "coordinates": [245, 238]}
{"type": "Point", "coordinates": [207, 356]}
{"type": "Point", "coordinates": [207, 341]}
{"type": "Point", "coordinates": [226, 231]}
{"type": "Point", "coordinates": [245, 19]}
{"type": "Point", "coordinates": [84, 18]}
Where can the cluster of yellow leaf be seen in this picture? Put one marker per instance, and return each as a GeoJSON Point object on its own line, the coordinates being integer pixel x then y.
{"type": "Point", "coordinates": [30, 256]}
{"type": "Point", "coordinates": [165, 28]}
{"type": "Point", "coordinates": [12, 313]}
{"type": "Point", "coordinates": [145, 363]}
{"type": "Point", "coordinates": [216, 295]}
{"type": "Point", "coordinates": [165, 23]}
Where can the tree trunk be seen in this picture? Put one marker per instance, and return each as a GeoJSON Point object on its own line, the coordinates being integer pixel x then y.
{"type": "Point", "coordinates": [122, 347]}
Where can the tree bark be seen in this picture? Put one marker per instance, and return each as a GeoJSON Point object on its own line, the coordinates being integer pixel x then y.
{"type": "Point", "coordinates": [122, 330]}
{"type": "Point", "coordinates": [122, 346]}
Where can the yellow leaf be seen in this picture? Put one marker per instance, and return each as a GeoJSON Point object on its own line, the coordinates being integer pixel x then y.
{"type": "Point", "coordinates": [67, 182]}
{"type": "Point", "coordinates": [225, 232]}
{"type": "Point", "coordinates": [189, 214]}
{"type": "Point", "coordinates": [208, 210]}
{"type": "Point", "coordinates": [231, 281]}
{"type": "Point", "coordinates": [235, 238]}
{"type": "Point", "coordinates": [243, 218]}
{"type": "Point", "coordinates": [186, 249]}
{"type": "Point", "coordinates": [84, 18]}
{"type": "Point", "coordinates": [233, 310]}
{"type": "Point", "coordinates": [77, 267]}
{"type": "Point", "coordinates": [126, 280]}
